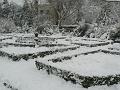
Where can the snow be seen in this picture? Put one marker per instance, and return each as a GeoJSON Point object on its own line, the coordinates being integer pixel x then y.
{"type": "Point", "coordinates": [4, 37]}
{"type": "Point", "coordinates": [63, 41]}
{"type": "Point", "coordinates": [115, 46]}
{"type": "Point", "coordinates": [9, 41]}
{"type": "Point", "coordinates": [2, 87]}
{"type": "Point", "coordinates": [24, 76]}
{"type": "Point", "coordinates": [98, 64]}
{"type": "Point", "coordinates": [30, 50]}
{"type": "Point", "coordinates": [85, 42]}
{"type": "Point", "coordinates": [80, 50]}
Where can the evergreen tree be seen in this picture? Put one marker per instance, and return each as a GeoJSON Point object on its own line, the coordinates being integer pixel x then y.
{"type": "Point", "coordinates": [5, 9]}
{"type": "Point", "coordinates": [27, 13]}
{"type": "Point", "coordinates": [36, 7]}
{"type": "Point", "coordinates": [107, 15]}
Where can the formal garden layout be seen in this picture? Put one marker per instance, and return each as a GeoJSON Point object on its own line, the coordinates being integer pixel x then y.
{"type": "Point", "coordinates": [80, 64]}
{"type": "Point", "coordinates": [59, 44]}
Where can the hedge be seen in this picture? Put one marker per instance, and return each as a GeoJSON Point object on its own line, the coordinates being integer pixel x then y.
{"type": "Point", "coordinates": [110, 52]}
{"type": "Point", "coordinates": [92, 45]}
{"type": "Point", "coordinates": [34, 55]}
{"type": "Point", "coordinates": [60, 59]}
{"type": "Point", "coordinates": [85, 81]}
{"type": "Point", "coordinates": [33, 45]}
{"type": "Point", "coordinates": [9, 86]}
{"type": "Point", "coordinates": [6, 38]}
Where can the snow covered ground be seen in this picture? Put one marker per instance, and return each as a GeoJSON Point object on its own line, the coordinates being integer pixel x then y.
{"type": "Point", "coordinates": [78, 51]}
{"type": "Point", "coordinates": [114, 47]}
{"type": "Point", "coordinates": [98, 64]}
{"type": "Point", "coordinates": [30, 50]}
{"type": "Point", "coordinates": [24, 76]}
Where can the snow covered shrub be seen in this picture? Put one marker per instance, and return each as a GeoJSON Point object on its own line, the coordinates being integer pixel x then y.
{"type": "Point", "coordinates": [7, 25]}
{"type": "Point", "coordinates": [116, 34]}
{"type": "Point", "coordinates": [48, 28]}
{"type": "Point", "coordinates": [103, 32]}
{"type": "Point", "coordinates": [81, 30]}
{"type": "Point", "coordinates": [85, 81]}
{"type": "Point", "coordinates": [95, 31]}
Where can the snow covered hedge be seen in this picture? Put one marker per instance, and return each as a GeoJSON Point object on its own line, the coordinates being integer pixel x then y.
{"type": "Point", "coordinates": [34, 55]}
{"type": "Point", "coordinates": [60, 59]}
{"type": "Point", "coordinates": [85, 81]}
{"type": "Point", "coordinates": [93, 45]}
{"type": "Point", "coordinates": [20, 44]}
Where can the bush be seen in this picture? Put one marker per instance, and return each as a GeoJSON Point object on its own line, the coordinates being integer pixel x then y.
{"type": "Point", "coordinates": [7, 25]}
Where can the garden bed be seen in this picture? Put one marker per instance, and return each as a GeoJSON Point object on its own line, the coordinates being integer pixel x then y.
{"type": "Point", "coordinates": [93, 45]}
{"type": "Point", "coordinates": [86, 70]}
{"type": "Point", "coordinates": [59, 57]}
{"type": "Point", "coordinates": [5, 37]}
{"type": "Point", "coordinates": [88, 42]}
{"type": "Point", "coordinates": [17, 53]}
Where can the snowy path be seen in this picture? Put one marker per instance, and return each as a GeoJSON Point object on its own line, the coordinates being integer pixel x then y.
{"type": "Point", "coordinates": [24, 76]}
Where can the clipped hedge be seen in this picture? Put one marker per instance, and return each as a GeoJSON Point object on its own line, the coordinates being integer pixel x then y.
{"type": "Point", "coordinates": [110, 52]}
{"type": "Point", "coordinates": [87, 39]}
{"type": "Point", "coordinates": [33, 45]}
{"type": "Point", "coordinates": [60, 59]}
{"type": "Point", "coordinates": [9, 86]}
{"type": "Point", "coordinates": [5, 38]}
{"type": "Point", "coordinates": [85, 81]}
{"type": "Point", "coordinates": [20, 45]}
{"type": "Point", "coordinates": [92, 45]}
{"type": "Point", "coordinates": [34, 55]}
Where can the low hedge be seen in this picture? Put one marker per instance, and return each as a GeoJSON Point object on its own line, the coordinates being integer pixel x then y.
{"type": "Point", "coordinates": [34, 55]}
{"type": "Point", "coordinates": [85, 81]}
{"type": "Point", "coordinates": [32, 45]}
{"type": "Point", "coordinates": [110, 52]}
{"type": "Point", "coordinates": [6, 38]}
{"type": "Point", "coordinates": [92, 45]}
{"type": "Point", "coordinates": [9, 86]}
{"type": "Point", "coordinates": [60, 59]}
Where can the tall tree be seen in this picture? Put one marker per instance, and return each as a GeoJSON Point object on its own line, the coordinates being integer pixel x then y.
{"type": "Point", "coordinates": [5, 9]}
{"type": "Point", "coordinates": [65, 9]}
{"type": "Point", "coordinates": [27, 13]}
{"type": "Point", "coordinates": [36, 5]}
{"type": "Point", "coordinates": [107, 15]}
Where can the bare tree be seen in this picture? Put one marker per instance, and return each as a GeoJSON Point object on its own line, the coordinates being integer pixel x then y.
{"type": "Point", "coordinates": [65, 9]}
